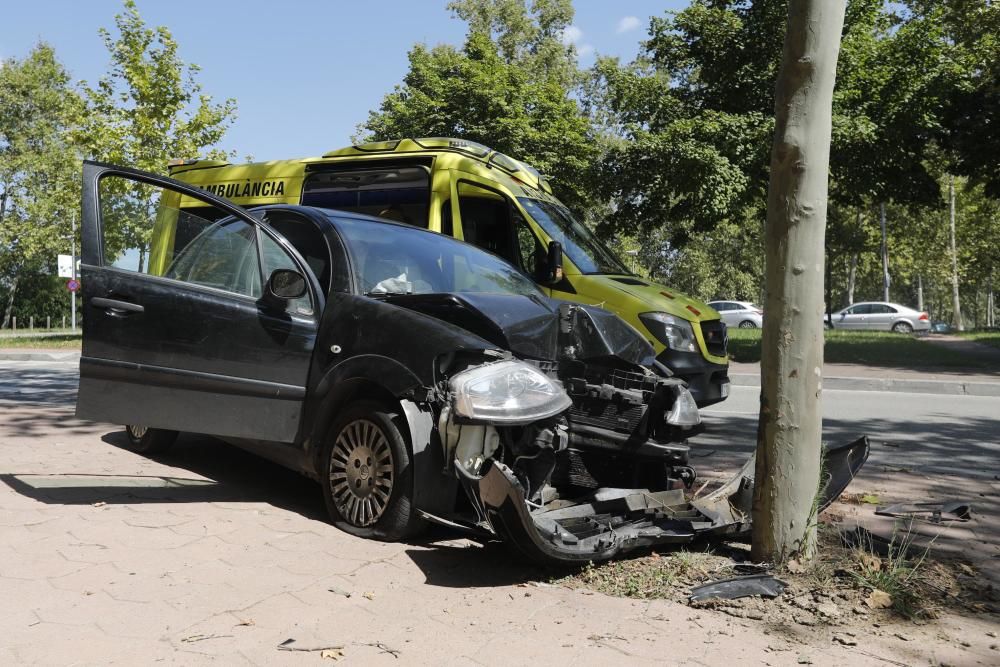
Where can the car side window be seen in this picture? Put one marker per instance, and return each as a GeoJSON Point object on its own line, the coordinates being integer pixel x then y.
{"type": "Point", "coordinates": [881, 309]}
{"type": "Point", "coordinates": [860, 309]}
{"type": "Point", "coordinates": [224, 256]}
{"type": "Point", "coordinates": [145, 231]}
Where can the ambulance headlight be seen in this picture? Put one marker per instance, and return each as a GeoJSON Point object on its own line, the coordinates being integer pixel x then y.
{"type": "Point", "coordinates": [507, 392]}
{"type": "Point", "coordinates": [672, 331]}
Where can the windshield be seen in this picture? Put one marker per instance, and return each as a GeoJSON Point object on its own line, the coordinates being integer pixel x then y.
{"type": "Point", "coordinates": [578, 242]}
{"type": "Point", "coordinates": [392, 259]}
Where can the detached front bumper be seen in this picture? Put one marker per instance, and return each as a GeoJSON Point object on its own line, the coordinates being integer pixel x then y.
{"type": "Point", "coordinates": [611, 522]}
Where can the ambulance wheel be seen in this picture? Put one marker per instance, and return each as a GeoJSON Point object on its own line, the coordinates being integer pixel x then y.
{"type": "Point", "coordinates": [144, 440]}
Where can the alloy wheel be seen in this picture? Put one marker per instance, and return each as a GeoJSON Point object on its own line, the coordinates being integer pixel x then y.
{"type": "Point", "coordinates": [361, 473]}
{"type": "Point", "coordinates": [136, 432]}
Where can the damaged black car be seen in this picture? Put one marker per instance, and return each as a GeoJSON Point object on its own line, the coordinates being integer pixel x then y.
{"type": "Point", "coordinates": [417, 378]}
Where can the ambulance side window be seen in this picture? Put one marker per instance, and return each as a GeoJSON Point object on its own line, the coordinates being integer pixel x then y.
{"type": "Point", "coordinates": [486, 221]}
{"type": "Point", "coordinates": [533, 256]}
{"type": "Point", "coordinates": [400, 193]}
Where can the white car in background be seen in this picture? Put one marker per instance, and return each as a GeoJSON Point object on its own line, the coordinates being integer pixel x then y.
{"type": "Point", "coordinates": [741, 314]}
{"type": "Point", "coordinates": [881, 316]}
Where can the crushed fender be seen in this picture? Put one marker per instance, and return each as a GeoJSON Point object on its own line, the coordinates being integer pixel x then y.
{"type": "Point", "coordinates": [763, 585]}
{"type": "Point", "coordinates": [611, 521]}
{"type": "Point", "coordinates": [933, 512]}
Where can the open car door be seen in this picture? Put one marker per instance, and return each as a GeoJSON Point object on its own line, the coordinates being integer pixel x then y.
{"type": "Point", "coordinates": [179, 330]}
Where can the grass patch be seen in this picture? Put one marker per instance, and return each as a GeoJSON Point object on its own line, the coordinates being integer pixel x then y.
{"type": "Point", "coordinates": [869, 348]}
{"type": "Point", "coordinates": [655, 576]}
{"type": "Point", "coordinates": [991, 338]}
{"type": "Point", "coordinates": [895, 578]}
{"type": "Point", "coordinates": [60, 341]}
{"type": "Point", "coordinates": [851, 582]}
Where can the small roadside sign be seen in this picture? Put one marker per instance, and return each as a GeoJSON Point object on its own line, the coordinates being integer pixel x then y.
{"type": "Point", "coordinates": [72, 285]}
{"type": "Point", "coordinates": [65, 266]}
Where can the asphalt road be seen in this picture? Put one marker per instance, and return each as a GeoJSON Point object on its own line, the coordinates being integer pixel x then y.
{"type": "Point", "coordinates": [39, 382]}
{"type": "Point", "coordinates": [925, 433]}
{"type": "Point", "coordinates": [921, 432]}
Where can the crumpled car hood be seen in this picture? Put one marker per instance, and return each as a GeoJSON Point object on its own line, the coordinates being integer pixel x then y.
{"type": "Point", "coordinates": [529, 326]}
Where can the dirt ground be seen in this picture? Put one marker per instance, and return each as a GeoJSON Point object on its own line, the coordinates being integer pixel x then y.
{"type": "Point", "coordinates": [942, 606]}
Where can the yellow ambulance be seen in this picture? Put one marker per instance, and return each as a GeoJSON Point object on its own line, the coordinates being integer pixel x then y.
{"type": "Point", "coordinates": [469, 191]}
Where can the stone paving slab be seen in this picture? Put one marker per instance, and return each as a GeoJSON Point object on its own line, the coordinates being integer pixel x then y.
{"type": "Point", "coordinates": [211, 555]}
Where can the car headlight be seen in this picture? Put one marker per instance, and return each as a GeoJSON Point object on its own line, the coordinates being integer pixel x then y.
{"type": "Point", "coordinates": [685, 411]}
{"type": "Point", "coordinates": [507, 392]}
{"type": "Point", "coordinates": [672, 331]}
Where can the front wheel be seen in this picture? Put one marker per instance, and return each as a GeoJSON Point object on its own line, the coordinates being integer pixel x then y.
{"type": "Point", "coordinates": [367, 474]}
{"type": "Point", "coordinates": [748, 324]}
{"type": "Point", "coordinates": [144, 440]}
{"type": "Point", "coordinates": [902, 327]}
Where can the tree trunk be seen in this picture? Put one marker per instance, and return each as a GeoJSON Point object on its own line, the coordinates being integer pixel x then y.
{"type": "Point", "coordinates": [990, 303]}
{"type": "Point", "coordinates": [885, 255]}
{"type": "Point", "coordinates": [852, 274]}
{"type": "Point", "coordinates": [920, 292]}
{"type": "Point", "coordinates": [956, 305]}
{"type": "Point", "coordinates": [8, 311]}
{"type": "Point", "coordinates": [790, 426]}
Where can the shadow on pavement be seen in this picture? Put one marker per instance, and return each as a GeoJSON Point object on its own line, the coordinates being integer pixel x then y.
{"type": "Point", "coordinates": [471, 565]}
{"type": "Point", "coordinates": [222, 473]}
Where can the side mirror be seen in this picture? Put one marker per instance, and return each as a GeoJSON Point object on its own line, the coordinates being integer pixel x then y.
{"type": "Point", "coordinates": [283, 286]}
{"type": "Point", "coordinates": [554, 263]}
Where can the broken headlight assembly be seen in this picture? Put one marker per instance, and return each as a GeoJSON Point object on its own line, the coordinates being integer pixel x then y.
{"type": "Point", "coordinates": [507, 392]}
{"type": "Point", "coordinates": [670, 330]}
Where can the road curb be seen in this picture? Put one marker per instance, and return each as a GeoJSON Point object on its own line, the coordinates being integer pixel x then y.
{"type": "Point", "coordinates": [948, 387]}
{"type": "Point", "coordinates": [15, 355]}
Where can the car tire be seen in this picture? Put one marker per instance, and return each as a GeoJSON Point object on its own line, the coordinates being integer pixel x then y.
{"type": "Point", "coordinates": [902, 327]}
{"type": "Point", "coordinates": [144, 440]}
{"type": "Point", "coordinates": [367, 474]}
{"type": "Point", "coordinates": [748, 324]}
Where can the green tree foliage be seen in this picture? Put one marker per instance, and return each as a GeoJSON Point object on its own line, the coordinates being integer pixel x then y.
{"type": "Point", "coordinates": [509, 86]}
{"type": "Point", "coordinates": [39, 167]}
{"type": "Point", "coordinates": [971, 29]}
{"type": "Point", "coordinates": [692, 118]}
{"type": "Point", "coordinates": [147, 109]}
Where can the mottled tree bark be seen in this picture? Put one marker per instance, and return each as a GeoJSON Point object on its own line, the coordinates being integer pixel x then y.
{"type": "Point", "coordinates": [852, 274]}
{"type": "Point", "coordinates": [956, 304]}
{"type": "Point", "coordinates": [790, 425]}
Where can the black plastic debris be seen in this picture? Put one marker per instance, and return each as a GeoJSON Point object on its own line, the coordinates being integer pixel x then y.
{"type": "Point", "coordinates": [763, 585]}
{"type": "Point", "coordinates": [933, 512]}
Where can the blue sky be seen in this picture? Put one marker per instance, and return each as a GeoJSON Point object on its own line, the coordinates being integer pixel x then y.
{"type": "Point", "coordinates": [304, 72]}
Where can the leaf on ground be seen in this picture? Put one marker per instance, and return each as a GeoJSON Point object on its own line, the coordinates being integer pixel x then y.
{"type": "Point", "coordinates": [869, 562]}
{"type": "Point", "coordinates": [331, 653]}
{"type": "Point", "coordinates": [368, 594]}
{"type": "Point", "coordinates": [879, 600]}
{"type": "Point", "coordinates": [870, 499]}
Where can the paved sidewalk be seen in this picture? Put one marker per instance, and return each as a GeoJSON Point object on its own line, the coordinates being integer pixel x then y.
{"type": "Point", "coordinates": [876, 378]}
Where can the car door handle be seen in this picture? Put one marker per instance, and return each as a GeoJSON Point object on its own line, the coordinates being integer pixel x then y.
{"type": "Point", "coordinates": [116, 307]}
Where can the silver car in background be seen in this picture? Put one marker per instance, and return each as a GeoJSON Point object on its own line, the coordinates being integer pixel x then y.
{"type": "Point", "coordinates": [881, 316]}
{"type": "Point", "coordinates": [741, 314]}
